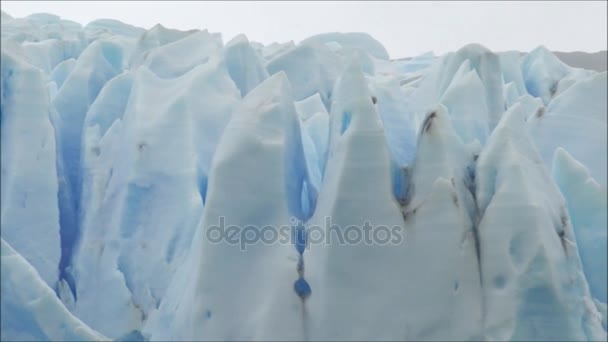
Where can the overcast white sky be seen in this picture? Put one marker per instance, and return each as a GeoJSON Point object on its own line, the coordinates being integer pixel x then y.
{"type": "Point", "coordinates": [405, 28]}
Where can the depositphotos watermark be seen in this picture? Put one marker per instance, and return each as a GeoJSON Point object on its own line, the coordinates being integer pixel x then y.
{"type": "Point", "coordinates": [303, 235]}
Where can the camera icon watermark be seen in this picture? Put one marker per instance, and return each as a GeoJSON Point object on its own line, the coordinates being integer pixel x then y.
{"type": "Point", "coordinates": [303, 236]}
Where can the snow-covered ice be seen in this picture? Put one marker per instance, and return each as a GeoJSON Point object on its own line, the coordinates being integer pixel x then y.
{"type": "Point", "coordinates": [170, 185]}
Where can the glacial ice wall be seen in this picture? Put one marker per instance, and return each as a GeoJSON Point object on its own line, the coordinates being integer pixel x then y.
{"type": "Point", "coordinates": [478, 177]}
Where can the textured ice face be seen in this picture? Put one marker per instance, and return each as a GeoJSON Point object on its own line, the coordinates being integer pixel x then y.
{"type": "Point", "coordinates": [162, 185]}
{"type": "Point", "coordinates": [31, 310]}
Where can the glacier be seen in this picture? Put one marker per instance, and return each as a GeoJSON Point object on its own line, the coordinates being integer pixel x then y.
{"type": "Point", "coordinates": [166, 185]}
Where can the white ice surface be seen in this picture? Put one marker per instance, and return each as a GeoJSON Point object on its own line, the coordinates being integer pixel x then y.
{"type": "Point", "coordinates": [123, 148]}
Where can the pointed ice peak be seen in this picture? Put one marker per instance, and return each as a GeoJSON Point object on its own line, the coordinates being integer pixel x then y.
{"type": "Point", "coordinates": [353, 72]}
{"type": "Point", "coordinates": [265, 117]}
{"type": "Point", "coordinates": [466, 102]}
{"type": "Point", "coordinates": [436, 125]}
{"type": "Point", "coordinates": [465, 74]}
{"type": "Point", "coordinates": [509, 136]}
{"type": "Point", "coordinates": [442, 191]}
{"type": "Point", "coordinates": [544, 58]}
{"type": "Point", "coordinates": [514, 119]}
{"type": "Point", "coordinates": [516, 173]}
{"type": "Point", "coordinates": [237, 40]}
{"type": "Point", "coordinates": [310, 106]}
{"type": "Point", "coordinates": [473, 53]}
{"type": "Point", "coordinates": [244, 63]}
{"type": "Point", "coordinates": [440, 154]}
{"type": "Point", "coordinates": [511, 71]}
{"type": "Point", "coordinates": [365, 117]}
{"type": "Point", "coordinates": [269, 116]}
{"type": "Point", "coordinates": [545, 54]}
{"type": "Point", "coordinates": [542, 72]}
{"type": "Point", "coordinates": [351, 86]}
{"type": "Point", "coordinates": [262, 100]}
{"type": "Point", "coordinates": [103, 112]}
{"type": "Point", "coordinates": [352, 105]}
{"type": "Point", "coordinates": [532, 106]}
{"type": "Point", "coordinates": [487, 65]}
{"type": "Point", "coordinates": [569, 168]}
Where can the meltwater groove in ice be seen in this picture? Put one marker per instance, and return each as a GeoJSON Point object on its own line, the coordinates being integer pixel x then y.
{"type": "Point", "coordinates": [100, 61]}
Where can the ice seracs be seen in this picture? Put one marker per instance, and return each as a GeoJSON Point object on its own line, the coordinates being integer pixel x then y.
{"type": "Point", "coordinates": [141, 217]}
{"type": "Point", "coordinates": [30, 216]}
{"type": "Point", "coordinates": [356, 191]}
{"type": "Point", "coordinates": [575, 120]}
{"type": "Point", "coordinates": [244, 64]}
{"type": "Point", "coordinates": [532, 279]}
{"type": "Point", "coordinates": [586, 200]}
{"type": "Point", "coordinates": [442, 181]}
{"type": "Point", "coordinates": [252, 185]}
